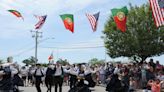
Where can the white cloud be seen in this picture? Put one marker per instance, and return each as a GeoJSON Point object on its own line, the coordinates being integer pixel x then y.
{"type": "Point", "coordinates": [16, 28]}
{"type": "Point", "coordinates": [4, 6]}
{"type": "Point", "coordinates": [49, 6]}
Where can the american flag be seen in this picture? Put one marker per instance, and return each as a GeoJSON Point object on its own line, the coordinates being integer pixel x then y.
{"type": "Point", "coordinates": [157, 7]}
{"type": "Point", "coordinates": [51, 57]}
{"type": "Point", "coordinates": [93, 19]}
{"type": "Point", "coordinates": [42, 19]}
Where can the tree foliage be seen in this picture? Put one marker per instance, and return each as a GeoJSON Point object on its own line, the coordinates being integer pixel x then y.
{"type": "Point", "coordinates": [95, 61]}
{"type": "Point", "coordinates": [142, 38]}
{"type": "Point", "coordinates": [1, 61]}
{"type": "Point", "coordinates": [29, 61]}
{"type": "Point", "coordinates": [44, 64]}
{"type": "Point", "coordinates": [63, 62]}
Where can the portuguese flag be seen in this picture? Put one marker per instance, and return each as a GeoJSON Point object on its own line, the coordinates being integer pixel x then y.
{"type": "Point", "coordinates": [16, 13]}
{"type": "Point", "coordinates": [120, 16]}
{"type": "Point", "coordinates": [68, 21]}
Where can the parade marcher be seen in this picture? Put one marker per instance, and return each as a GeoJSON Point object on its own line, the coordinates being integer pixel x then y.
{"type": "Point", "coordinates": [38, 74]}
{"type": "Point", "coordinates": [24, 74]}
{"type": "Point", "coordinates": [6, 74]}
{"type": "Point", "coordinates": [88, 76]}
{"type": "Point", "coordinates": [82, 83]}
{"type": "Point", "coordinates": [49, 77]}
{"type": "Point", "coordinates": [73, 76]}
{"type": "Point", "coordinates": [30, 76]}
{"type": "Point", "coordinates": [5, 80]}
{"type": "Point", "coordinates": [58, 77]}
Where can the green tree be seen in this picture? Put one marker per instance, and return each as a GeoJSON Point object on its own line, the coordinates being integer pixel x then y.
{"type": "Point", "coordinates": [29, 61]}
{"type": "Point", "coordinates": [95, 61]}
{"type": "Point", "coordinates": [142, 38]}
{"type": "Point", "coordinates": [63, 62]}
{"type": "Point", "coordinates": [1, 61]}
{"type": "Point", "coordinates": [45, 64]}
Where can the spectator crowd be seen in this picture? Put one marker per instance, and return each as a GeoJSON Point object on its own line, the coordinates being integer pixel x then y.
{"type": "Point", "coordinates": [116, 77]}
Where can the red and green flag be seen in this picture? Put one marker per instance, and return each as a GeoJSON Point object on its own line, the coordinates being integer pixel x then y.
{"type": "Point", "coordinates": [68, 21]}
{"type": "Point", "coordinates": [16, 13]}
{"type": "Point", "coordinates": [120, 17]}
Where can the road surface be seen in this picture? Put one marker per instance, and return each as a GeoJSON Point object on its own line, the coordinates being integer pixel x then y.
{"type": "Point", "coordinates": [65, 89]}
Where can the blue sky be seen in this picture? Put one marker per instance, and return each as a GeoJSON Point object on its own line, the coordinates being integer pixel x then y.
{"type": "Point", "coordinates": [16, 40]}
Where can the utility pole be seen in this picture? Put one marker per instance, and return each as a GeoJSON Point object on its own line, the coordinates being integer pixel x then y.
{"type": "Point", "coordinates": [36, 35]}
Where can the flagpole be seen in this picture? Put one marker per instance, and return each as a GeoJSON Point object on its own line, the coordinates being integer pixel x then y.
{"type": "Point", "coordinates": [57, 53]}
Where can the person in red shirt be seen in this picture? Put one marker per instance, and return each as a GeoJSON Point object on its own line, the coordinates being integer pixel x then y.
{"type": "Point", "coordinates": [155, 85]}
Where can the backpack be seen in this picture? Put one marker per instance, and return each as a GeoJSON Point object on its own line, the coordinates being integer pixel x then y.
{"type": "Point", "coordinates": [49, 72]}
{"type": "Point", "coordinates": [42, 75]}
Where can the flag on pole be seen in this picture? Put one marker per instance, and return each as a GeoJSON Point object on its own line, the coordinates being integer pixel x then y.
{"type": "Point", "coordinates": [16, 13]}
{"type": "Point", "coordinates": [51, 57]}
{"type": "Point", "coordinates": [157, 7]}
{"type": "Point", "coordinates": [41, 21]}
{"type": "Point", "coordinates": [68, 21]}
{"type": "Point", "coordinates": [93, 19]}
{"type": "Point", "coordinates": [120, 16]}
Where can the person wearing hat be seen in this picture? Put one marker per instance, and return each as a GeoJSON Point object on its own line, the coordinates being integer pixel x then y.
{"type": "Point", "coordinates": [49, 77]}
{"type": "Point", "coordinates": [73, 76]}
{"type": "Point", "coordinates": [38, 74]}
{"type": "Point", "coordinates": [58, 76]}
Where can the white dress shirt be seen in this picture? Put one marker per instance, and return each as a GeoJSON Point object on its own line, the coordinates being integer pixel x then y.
{"type": "Point", "coordinates": [39, 72]}
{"type": "Point", "coordinates": [58, 71]}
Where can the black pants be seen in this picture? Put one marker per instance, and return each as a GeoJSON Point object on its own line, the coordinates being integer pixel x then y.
{"type": "Point", "coordinates": [58, 81]}
{"type": "Point", "coordinates": [48, 82]}
{"type": "Point", "coordinates": [6, 85]}
{"type": "Point", "coordinates": [38, 80]}
{"type": "Point", "coordinates": [73, 80]}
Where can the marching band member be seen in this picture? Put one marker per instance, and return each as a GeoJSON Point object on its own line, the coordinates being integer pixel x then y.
{"type": "Point", "coordinates": [58, 77]}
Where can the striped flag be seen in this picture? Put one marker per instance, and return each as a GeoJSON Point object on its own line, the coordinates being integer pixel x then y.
{"type": "Point", "coordinates": [158, 11]}
{"type": "Point", "coordinates": [51, 57]}
{"type": "Point", "coordinates": [16, 13]}
{"type": "Point", "coordinates": [42, 19]}
{"type": "Point", "coordinates": [93, 19]}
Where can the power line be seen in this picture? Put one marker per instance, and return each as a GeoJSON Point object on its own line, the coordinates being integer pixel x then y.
{"type": "Point", "coordinates": [87, 47]}
{"type": "Point", "coordinates": [58, 48]}
{"type": "Point", "coordinates": [27, 50]}
{"type": "Point", "coordinates": [77, 42]}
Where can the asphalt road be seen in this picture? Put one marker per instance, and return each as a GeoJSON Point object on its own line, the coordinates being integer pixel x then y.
{"type": "Point", "coordinates": [65, 89]}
